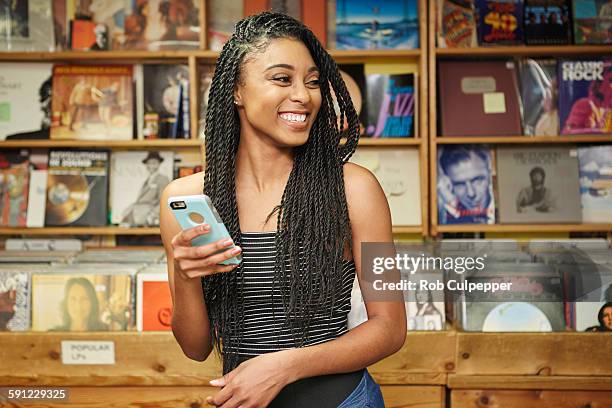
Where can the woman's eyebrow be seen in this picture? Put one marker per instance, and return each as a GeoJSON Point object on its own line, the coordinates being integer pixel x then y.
{"type": "Point", "coordinates": [291, 67]}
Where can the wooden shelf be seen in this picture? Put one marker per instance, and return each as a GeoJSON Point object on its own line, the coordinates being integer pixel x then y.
{"type": "Point", "coordinates": [522, 228]}
{"type": "Point", "coordinates": [123, 144]}
{"type": "Point", "coordinates": [390, 141]}
{"type": "Point", "coordinates": [110, 230]}
{"type": "Point", "coordinates": [514, 51]}
{"type": "Point", "coordinates": [523, 139]}
{"type": "Point", "coordinates": [408, 229]}
{"type": "Point", "coordinates": [520, 382]}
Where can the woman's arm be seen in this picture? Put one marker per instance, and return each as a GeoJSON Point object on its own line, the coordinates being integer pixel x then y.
{"type": "Point", "coordinates": [384, 332]}
{"type": "Point", "coordinates": [190, 324]}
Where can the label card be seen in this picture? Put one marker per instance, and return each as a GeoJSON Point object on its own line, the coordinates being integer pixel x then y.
{"type": "Point", "coordinates": [88, 352]}
{"type": "Point", "coordinates": [494, 102]}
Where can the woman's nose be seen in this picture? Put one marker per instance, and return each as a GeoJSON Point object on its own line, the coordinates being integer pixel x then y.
{"type": "Point", "coordinates": [299, 92]}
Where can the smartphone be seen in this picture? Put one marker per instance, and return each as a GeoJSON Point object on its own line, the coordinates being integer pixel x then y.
{"type": "Point", "coordinates": [193, 210]}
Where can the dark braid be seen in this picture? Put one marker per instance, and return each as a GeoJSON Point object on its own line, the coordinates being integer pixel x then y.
{"type": "Point", "coordinates": [313, 213]}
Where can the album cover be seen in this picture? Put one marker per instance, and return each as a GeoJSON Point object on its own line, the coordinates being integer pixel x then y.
{"type": "Point", "coordinates": [585, 96]}
{"type": "Point", "coordinates": [25, 99]}
{"type": "Point", "coordinates": [83, 300]}
{"type": "Point", "coordinates": [465, 185]}
{"type": "Point", "coordinates": [92, 102]}
{"type": "Point", "coordinates": [14, 300]}
{"type": "Point", "coordinates": [14, 179]}
{"type": "Point", "coordinates": [162, 25]}
{"type": "Point", "coordinates": [592, 297]}
{"type": "Point", "coordinates": [138, 179]}
{"type": "Point", "coordinates": [456, 23]}
{"type": "Point", "coordinates": [367, 24]}
{"type": "Point", "coordinates": [161, 94]}
{"type": "Point", "coordinates": [154, 302]}
{"type": "Point", "coordinates": [103, 21]}
{"type": "Point", "coordinates": [592, 21]}
{"type": "Point", "coordinates": [596, 183]}
{"type": "Point", "coordinates": [391, 101]}
{"type": "Point", "coordinates": [222, 16]}
{"type": "Point", "coordinates": [77, 188]}
{"type": "Point", "coordinates": [27, 25]}
{"type": "Point", "coordinates": [479, 98]}
{"type": "Point", "coordinates": [354, 79]}
{"type": "Point", "coordinates": [59, 24]}
{"type": "Point", "coordinates": [397, 172]}
{"type": "Point", "coordinates": [425, 308]}
{"type": "Point", "coordinates": [37, 194]}
{"type": "Point", "coordinates": [206, 75]}
{"type": "Point", "coordinates": [547, 22]}
{"type": "Point", "coordinates": [538, 185]}
{"type": "Point", "coordinates": [538, 78]}
{"type": "Point", "coordinates": [500, 22]}
{"type": "Point", "coordinates": [533, 304]}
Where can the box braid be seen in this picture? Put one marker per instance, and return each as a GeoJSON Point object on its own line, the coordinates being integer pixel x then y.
{"type": "Point", "coordinates": [313, 223]}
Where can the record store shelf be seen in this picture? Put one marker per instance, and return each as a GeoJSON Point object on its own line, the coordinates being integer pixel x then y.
{"type": "Point", "coordinates": [517, 51]}
{"type": "Point", "coordinates": [119, 144]}
{"type": "Point", "coordinates": [523, 139]}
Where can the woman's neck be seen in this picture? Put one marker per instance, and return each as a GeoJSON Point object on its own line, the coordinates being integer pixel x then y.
{"type": "Point", "coordinates": [261, 165]}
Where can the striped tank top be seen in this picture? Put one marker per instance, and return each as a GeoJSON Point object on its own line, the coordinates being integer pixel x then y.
{"type": "Point", "coordinates": [265, 326]}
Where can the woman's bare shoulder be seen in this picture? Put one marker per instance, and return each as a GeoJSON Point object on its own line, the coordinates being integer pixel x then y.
{"type": "Point", "coordinates": [188, 185]}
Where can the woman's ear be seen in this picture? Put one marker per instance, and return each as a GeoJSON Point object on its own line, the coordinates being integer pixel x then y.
{"type": "Point", "coordinates": [237, 97]}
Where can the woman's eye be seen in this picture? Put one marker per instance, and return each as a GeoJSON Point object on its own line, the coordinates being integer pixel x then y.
{"type": "Point", "coordinates": [314, 82]}
{"type": "Point", "coordinates": [284, 79]}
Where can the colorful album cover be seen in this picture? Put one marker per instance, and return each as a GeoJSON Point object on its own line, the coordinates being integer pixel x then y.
{"type": "Point", "coordinates": [538, 185]}
{"type": "Point", "coordinates": [534, 302]}
{"type": "Point", "coordinates": [27, 25]}
{"type": "Point", "coordinates": [103, 21]}
{"type": "Point", "coordinates": [14, 300]}
{"type": "Point", "coordinates": [397, 172]}
{"type": "Point", "coordinates": [163, 25]}
{"type": "Point", "coordinates": [138, 179]}
{"type": "Point", "coordinates": [77, 188]}
{"type": "Point", "coordinates": [83, 301]}
{"type": "Point", "coordinates": [371, 25]}
{"type": "Point", "coordinates": [596, 183]}
{"type": "Point", "coordinates": [222, 16]}
{"type": "Point", "coordinates": [25, 99]}
{"type": "Point", "coordinates": [592, 21]}
{"type": "Point", "coordinates": [592, 304]}
{"type": "Point", "coordinates": [500, 22]}
{"type": "Point", "coordinates": [465, 185]}
{"type": "Point", "coordinates": [154, 307]}
{"type": "Point", "coordinates": [85, 35]}
{"type": "Point", "coordinates": [456, 24]}
{"type": "Point", "coordinates": [92, 102]}
{"type": "Point", "coordinates": [547, 22]}
{"type": "Point", "coordinates": [585, 96]}
{"type": "Point", "coordinates": [14, 186]}
{"type": "Point", "coordinates": [391, 101]}
{"type": "Point", "coordinates": [161, 94]}
{"type": "Point", "coordinates": [538, 79]}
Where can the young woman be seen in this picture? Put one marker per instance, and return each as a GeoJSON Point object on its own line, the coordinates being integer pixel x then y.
{"type": "Point", "coordinates": [298, 213]}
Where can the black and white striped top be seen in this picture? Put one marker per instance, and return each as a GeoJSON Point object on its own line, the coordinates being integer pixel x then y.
{"type": "Point", "coordinates": [265, 332]}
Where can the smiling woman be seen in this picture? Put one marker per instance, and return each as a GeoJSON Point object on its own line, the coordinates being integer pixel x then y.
{"type": "Point", "coordinates": [279, 319]}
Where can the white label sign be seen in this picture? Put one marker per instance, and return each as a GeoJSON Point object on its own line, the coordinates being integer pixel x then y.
{"type": "Point", "coordinates": [88, 352]}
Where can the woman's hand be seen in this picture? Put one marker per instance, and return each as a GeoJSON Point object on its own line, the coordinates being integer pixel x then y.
{"type": "Point", "coordinates": [194, 262]}
{"type": "Point", "coordinates": [254, 383]}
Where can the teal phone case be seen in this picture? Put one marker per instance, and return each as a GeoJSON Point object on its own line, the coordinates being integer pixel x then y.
{"type": "Point", "coordinates": [193, 210]}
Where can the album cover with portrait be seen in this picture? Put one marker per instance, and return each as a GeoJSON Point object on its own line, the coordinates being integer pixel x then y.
{"type": "Point", "coordinates": [425, 308]}
{"type": "Point", "coordinates": [83, 299]}
{"type": "Point", "coordinates": [14, 299]}
{"type": "Point", "coordinates": [14, 187]}
{"type": "Point", "coordinates": [77, 188]}
{"type": "Point", "coordinates": [538, 80]}
{"type": "Point", "coordinates": [397, 171]}
{"type": "Point", "coordinates": [596, 183]}
{"type": "Point", "coordinates": [162, 94]}
{"type": "Point", "coordinates": [585, 96]}
{"type": "Point", "coordinates": [92, 102]}
{"type": "Point", "coordinates": [456, 23]}
{"type": "Point", "coordinates": [162, 25]}
{"type": "Point", "coordinates": [547, 22]}
{"type": "Point", "coordinates": [533, 304]}
{"type": "Point", "coordinates": [538, 185]}
{"type": "Point", "coordinates": [371, 25]}
{"type": "Point", "coordinates": [137, 181]}
{"type": "Point", "coordinates": [154, 302]}
{"type": "Point", "coordinates": [465, 185]}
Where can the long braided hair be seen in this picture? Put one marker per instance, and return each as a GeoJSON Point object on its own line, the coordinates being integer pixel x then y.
{"type": "Point", "coordinates": [313, 223]}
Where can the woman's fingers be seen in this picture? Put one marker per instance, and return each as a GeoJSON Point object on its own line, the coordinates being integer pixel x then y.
{"type": "Point", "coordinates": [211, 261]}
{"type": "Point", "coordinates": [195, 273]}
{"type": "Point", "coordinates": [184, 237]}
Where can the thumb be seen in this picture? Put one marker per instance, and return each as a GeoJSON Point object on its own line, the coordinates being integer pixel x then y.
{"type": "Point", "coordinates": [220, 382]}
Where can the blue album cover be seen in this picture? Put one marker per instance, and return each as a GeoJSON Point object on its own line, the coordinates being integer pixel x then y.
{"type": "Point", "coordinates": [390, 105]}
{"type": "Point", "coordinates": [465, 185]}
{"type": "Point", "coordinates": [585, 96]}
{"type": "Point", "coordinates": [377, 24]}
{"type": "Point", "coordinates": [547, 22]}
{"type": "Point", "coordinates": [596, 183]}
{"type": "Point", "coordinates": [500, 22]}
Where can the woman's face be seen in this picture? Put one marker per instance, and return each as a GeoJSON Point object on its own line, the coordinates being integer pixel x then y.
{"type": "Point", "coordinates": [607, 317]}
{"type": "Point", "coordinates": [278, 95]}
{"type": "Point", "coordinates": [79, 305]}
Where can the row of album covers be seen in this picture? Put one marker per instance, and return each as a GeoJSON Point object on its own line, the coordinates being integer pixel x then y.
{"type": "Point", "coordinates": [125, 102]}
{"type": "Point", "coordinates": [553, 286]}
{"type": "Point", "coordinates": [92, 188]}
{"type": "Point", "coordinates": [528, 96]}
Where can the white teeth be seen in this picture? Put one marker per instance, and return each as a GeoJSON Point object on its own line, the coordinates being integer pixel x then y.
{"type": "Point", "coordinates": [292, 117]}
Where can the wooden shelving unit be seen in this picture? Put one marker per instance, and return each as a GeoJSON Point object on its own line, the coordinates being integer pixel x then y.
{"type": "Point", "coordinates": [110, 230]}
{"type": "Point", "coordinates": [435, 139]}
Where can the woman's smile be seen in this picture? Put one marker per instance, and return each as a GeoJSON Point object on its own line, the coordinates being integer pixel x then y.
{"type": "Point", "coordinates": [294, 120]}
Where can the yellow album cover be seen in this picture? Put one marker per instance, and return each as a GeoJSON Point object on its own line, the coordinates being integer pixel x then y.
{"type": "Point", "coordinates": [92, 102]}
